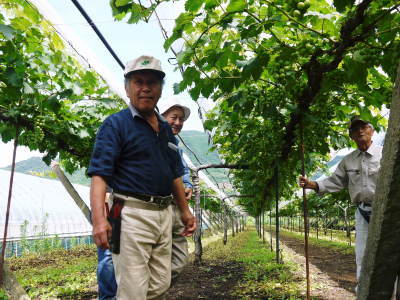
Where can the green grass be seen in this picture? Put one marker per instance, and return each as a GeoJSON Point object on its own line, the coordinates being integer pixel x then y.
{"type": "Point", "coordinates": [3, 295]}
{"type": "Point", "coordinates": [263, 276]}
{"type": "Point", "coordinates": [339, 246]}
{"type": "Point", "coordinates": [68, 274]}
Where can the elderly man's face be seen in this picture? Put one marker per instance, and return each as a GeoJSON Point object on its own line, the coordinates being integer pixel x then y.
{"type": "Point", "coordinates": [362, 133]}
{"type": "Point", "coordinates": [144, 90]}
{"type": "Point", "coordinates": [175, 118]}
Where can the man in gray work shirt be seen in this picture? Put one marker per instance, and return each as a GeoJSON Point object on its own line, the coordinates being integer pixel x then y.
{"type": "Point", "coordinates": [358, 172]}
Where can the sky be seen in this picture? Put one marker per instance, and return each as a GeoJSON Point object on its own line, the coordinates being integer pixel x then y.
{"type": "Point", "coordinates": [128, 42]}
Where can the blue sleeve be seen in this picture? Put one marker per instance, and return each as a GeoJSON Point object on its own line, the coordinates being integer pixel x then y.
{"type": "Point", "coordinates": [105, 152]}
{"type": "Point", "coordinates": [174, 157]}
{"type": "Point", "coordinates": [186, 175]}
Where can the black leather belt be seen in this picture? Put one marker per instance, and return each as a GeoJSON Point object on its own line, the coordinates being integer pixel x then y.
{"type": "Point", "coordinates": [159, 200]}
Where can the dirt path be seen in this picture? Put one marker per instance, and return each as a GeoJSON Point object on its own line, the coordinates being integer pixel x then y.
{"type": "Point", "coordinates": [332, 273]}
{"type": "Point", "coordinates": [212, 280]}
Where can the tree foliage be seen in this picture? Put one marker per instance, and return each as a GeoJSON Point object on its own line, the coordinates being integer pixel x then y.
{"type": "Point", "coordinates": [272, 65]}
{"type": "Point", "coordinates": [47, 97]}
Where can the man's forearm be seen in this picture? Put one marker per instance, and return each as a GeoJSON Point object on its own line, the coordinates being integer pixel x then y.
{"type": "Point", "coordinates": [314, 185]}
{"type": "Point", "coordinates": [97, 196]}
{"type": "Point", "coordinates": [178, 192]}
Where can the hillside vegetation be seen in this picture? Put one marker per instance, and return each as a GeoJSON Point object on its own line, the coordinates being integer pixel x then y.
{"type": "Point", "coordinates": [197, 141]}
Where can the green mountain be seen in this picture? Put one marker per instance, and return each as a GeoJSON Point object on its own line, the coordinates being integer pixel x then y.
{"type": "Point", "coordinates": [197, 141]}
{"type": "Point", "coordinates": [36, 166]}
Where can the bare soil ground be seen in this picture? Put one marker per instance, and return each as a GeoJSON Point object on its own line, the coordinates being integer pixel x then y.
{"type": "Point", "coordinates": [332, 275]}
{"type": "Point", "coordinates": [338, 266]}
{"type": "Point", "coordinates": [211, 280]}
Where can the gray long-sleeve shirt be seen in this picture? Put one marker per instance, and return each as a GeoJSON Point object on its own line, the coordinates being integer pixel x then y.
{"type": "Point", "coordinates": [358, 171]}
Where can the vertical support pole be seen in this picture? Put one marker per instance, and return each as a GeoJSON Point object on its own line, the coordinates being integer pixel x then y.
{"type": "Point", "coordinates": [4, 245]}
{"type": "Point", "coordinates": [277, 214]}
{"type": "Point", "coordinates": [198, 248]}
{"type": "Point", "coordinates": [232, 224]}
{"type": "Point", "coordinates": [263, 229]}
{"type": "Point", "coordinates": [270, 229]}
{"type": "Point", "coordinates": [225, 239]}
{"type": "Point", "coordinates": [305, 210]}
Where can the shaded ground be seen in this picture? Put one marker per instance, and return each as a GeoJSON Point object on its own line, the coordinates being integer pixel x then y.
{"type": "Point", "coordinates": [212, 280]}
{"type": "Point", "coordinates": [340, 267]}
{"type": "Point", "coordinates": [332, 275]}
{"type": "Point", "coordinates": [222, 273]}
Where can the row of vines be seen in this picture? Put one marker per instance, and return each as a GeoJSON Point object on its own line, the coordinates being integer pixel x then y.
{"type": "Point", "coordinates": [272, 67]}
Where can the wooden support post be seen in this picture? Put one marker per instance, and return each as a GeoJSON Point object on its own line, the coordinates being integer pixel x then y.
{"type": "Point", "coordinates": [198, 248]}
{"type": "Point", "coordinates": [277, 214]}
{"type": "Point", "coordinates": [10, 188]}
{"type": "Point", "coordinates": [225, 210]}
{"type": "Point", "coordinates": [232, 224]}
{"type": "Point", "coordinates": [71, 190]}
{"type": "Point", "coordinates": [305, 212]}
{"type": "Point", "coordinates": [263, 229]}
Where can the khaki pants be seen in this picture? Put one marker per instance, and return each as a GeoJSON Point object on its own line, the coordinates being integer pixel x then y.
{"type": "Point", "coordinates": [179, 244]}
{"type": "Point", "coordinates": [143, 267]}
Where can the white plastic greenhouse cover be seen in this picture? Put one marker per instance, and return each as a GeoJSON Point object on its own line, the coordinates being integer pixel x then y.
{"type": "Point", "coordinates": [33, 198]}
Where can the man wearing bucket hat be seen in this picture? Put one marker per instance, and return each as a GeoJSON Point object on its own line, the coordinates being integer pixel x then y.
{"type": "Point", "coordinates": [136, 156]}
{"type": "Point", "coordinates": [176, 114]}
{"type": "Point", "coordinates": [358, 172]}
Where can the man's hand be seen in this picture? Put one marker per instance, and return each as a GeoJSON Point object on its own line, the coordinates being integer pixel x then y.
{"type": "Point", "coordinates": [188, 194]}
{"type": "Point", "coordinates": [102, 233]}
{"type": "Point", "coordinates": [308, 184]}
{"type": "Point", "coordinates": [190, 223]}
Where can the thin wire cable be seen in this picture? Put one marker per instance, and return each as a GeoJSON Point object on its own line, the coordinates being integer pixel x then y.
{"type": "Point", "coordinates": [198, 160]}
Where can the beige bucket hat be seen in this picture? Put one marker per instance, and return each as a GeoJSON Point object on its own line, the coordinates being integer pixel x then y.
{"type": "Point", "coordinates": [168, 104]}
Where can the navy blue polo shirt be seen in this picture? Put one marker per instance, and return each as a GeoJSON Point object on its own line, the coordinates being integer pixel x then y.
{"type": "Point", "coordinates": [133, 158]}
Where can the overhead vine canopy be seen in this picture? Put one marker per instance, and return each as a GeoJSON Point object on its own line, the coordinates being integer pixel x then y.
{"type": "Point", "coordinates": [50, 99]}
{"type": "Point", "coordinates": [273, 64]}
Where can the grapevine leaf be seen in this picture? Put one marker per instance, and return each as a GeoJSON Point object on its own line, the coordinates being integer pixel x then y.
{"type": "Point", "coordinates": [7, 31]}
{"type": "Point", "coordinates": [236, 5]}
{"type": "Point", "coordinates": [119, 3]}
{"type": "Point", "coordinates": [193, 5]}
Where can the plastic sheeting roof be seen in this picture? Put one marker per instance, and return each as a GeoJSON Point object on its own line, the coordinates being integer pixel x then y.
{"type": "Point", "coordinates": [35, 197]}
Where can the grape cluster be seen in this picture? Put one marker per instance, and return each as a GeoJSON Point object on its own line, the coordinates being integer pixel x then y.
{"type": "Point", "coordinates": [298, 8]}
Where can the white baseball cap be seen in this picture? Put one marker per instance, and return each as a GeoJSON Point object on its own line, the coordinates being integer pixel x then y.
{"type": "Point", "coordinates": [167, 105]}
{"type": "Point", "coordinates": [144, 62]}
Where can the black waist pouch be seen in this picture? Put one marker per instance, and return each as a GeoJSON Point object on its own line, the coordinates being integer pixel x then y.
{"type": "Point", "coordinates": [115, 221]}
{"type": "Point", "coordinates": [365, 213]}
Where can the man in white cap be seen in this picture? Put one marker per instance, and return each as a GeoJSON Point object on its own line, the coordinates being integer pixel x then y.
{"type": "Point", "coordinates": [358, 172]}
{"type": "Point", "coordinates": [176, 114]}
{"type": "Point", "coordinates": [136, 156]}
